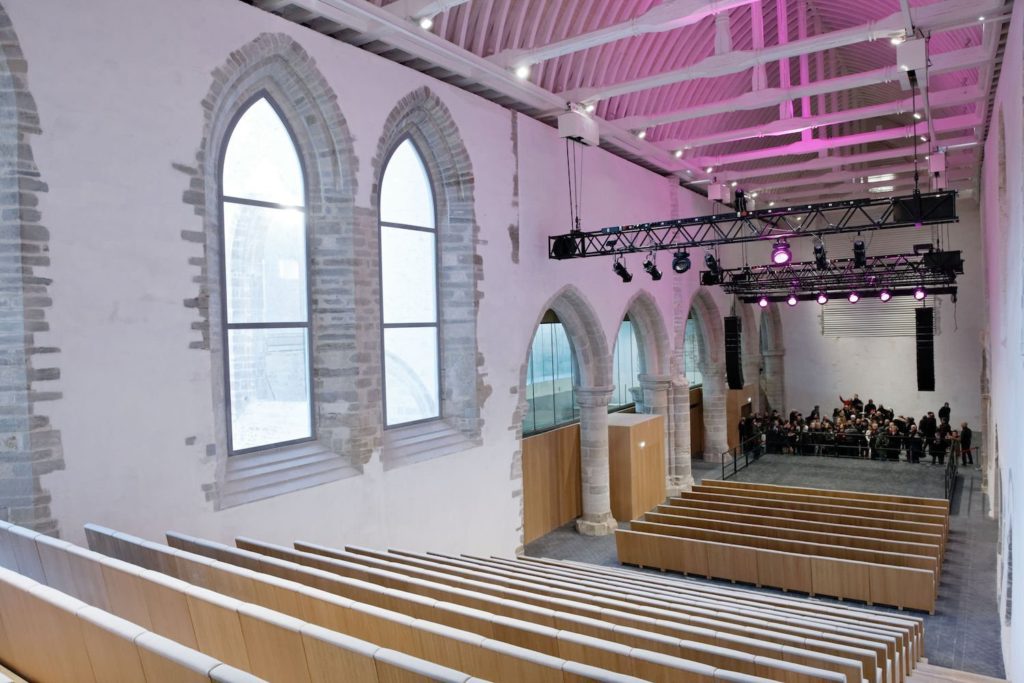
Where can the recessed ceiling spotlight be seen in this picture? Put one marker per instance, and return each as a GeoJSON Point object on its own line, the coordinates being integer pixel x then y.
{"type": "Point", "coordinates": [678, 154]}
{"type": "Point", "coordinates": [709, 169]}
{"type": "Point", "coordinates": [771, 203]}
{"type": "Point", "coordinates": [924, 138]}
{"type": "Point", "coordinates": [523, 72]}
{"type": "Point", "coordinates": [733, 184]}
{"type": "Point", "coordinates": [917, 115]}
{"type": "Point", "coordinates": [981, 18]}
{"type": "Point", "coordinates": [897, 39]}
{"type": "Point", "coordinates": [642, 134]}
{"type": "Point", "coordinates": [426, 23]}
{"type": "Point", "coordinates": [904, 67]}
{"type": "Point", "coordinates": [753, 195]}
{"type": "Point", "coordinates": [590, 107]}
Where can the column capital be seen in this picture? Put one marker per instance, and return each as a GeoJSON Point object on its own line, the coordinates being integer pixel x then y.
{"type": "Point", "coordinates": [681, 382]}
{"type": "Point", "coordinates": [654, 381]}
{"type": "Point", "coordinates": [593, 397]}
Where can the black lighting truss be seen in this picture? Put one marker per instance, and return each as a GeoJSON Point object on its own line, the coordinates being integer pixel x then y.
{"type": "Point", "coordinates": [855, 215]}
{"type": "Point", "coordinates": [899, 273]}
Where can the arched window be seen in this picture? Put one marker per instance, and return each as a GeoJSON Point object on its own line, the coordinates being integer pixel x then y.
{"type": "Point", "coordinates": [266, 293]}
{"type": "Point", "coordinates": [625, 368]}
{"type": "Point", "coordinates": [409, 302]}
{"type": "Point", "coordinates": [691, 357]}
{"type": "Point", "coordinates": [550, 379]}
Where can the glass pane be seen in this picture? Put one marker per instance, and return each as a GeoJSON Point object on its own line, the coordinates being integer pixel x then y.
{"type": "Point", "coordinates": [691, 353]}
{"type": "Point", "coordinates": [625, 367]}
{"type": "Point", "coordinates": [408, 272]}
{"type": "Point", "coordinates": [411, 374]}
{"type": "Point", "coordinates": [564, 377]}
{"type": "Point", "coordinates": [261, 162]}
{"type": "Point", "coordinates": [270, 393]}
{"type": "Point", "coordinates": [405, 195]}
{"type": "Point", "coordinates": [265, 257]}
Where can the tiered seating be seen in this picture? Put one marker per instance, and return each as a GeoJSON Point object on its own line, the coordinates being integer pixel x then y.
{"type": "Point", "coordinates": [310, 613]}
{"type": "Point", "coordinates": [879, 549]}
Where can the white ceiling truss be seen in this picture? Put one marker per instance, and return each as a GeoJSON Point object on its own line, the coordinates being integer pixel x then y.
{"type": "Point", "coordinates": [785, 98]}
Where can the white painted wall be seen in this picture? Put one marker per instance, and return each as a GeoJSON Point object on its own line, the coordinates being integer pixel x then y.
{"type": "Point", "coordinates": [118, 91]}
{"type": "Point", "coordinates": [1003, 220]}
{"type": "Point", "coordinates": [820, 368]}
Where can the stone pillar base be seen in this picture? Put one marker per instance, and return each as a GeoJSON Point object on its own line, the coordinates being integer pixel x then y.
{"type": "Point", "coordinates": [601, 526]}
{"type": "Point", "coordinates": [676, 485]}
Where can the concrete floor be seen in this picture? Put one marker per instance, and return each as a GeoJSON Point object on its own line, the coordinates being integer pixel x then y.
{"type": "Point", "coordinates": [964, 632]}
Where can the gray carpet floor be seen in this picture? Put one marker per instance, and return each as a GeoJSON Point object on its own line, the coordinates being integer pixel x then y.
{"type": "Point", "coordinates": [964, 632]}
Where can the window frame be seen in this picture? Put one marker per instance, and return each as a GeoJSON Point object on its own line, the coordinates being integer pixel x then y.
{"type": "Point", "coordinates": [225, 326]}
{"type": "Point", "coordinates": [573, 372]}
{"type": "Point", "coordinates": [381, 224]}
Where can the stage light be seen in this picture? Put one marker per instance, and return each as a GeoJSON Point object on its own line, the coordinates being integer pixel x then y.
{"type": "Point", "coordinates": [885, 295]}
{"type": "Point", "coordinates": [791, 300]}
{"type": "Point", "coordinates": [820, 257]}
{"type": "Point", "coordinates": [681, 262]}
{"type": "Point", "coordinates": [762, 302]}
{"type": "Point", "coordinates": [860, 254]}
{"type": "Point", "coordinates": [822, 298]}
{"type": "Point", "coordinates": [920, 293]}
{"type": "Point", "coordinates": [711, 262]}
{"type": "Point", "coordinates": [652, 269]}
{"type": "Point", "coordinates": [781, 252]}
{"type": "Point", "coordinates": [523, 72]}
{"type": "Point", "coordinates": [426, 23]}
{"type": "Point", "coordinates": [854, 297]}
{"type": "Point", "coordinates": [620, 269]}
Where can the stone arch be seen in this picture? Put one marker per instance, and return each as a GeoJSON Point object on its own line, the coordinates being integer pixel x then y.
{"type": "Point", "coordinates": [773, 355]}
{"type": "Point", "coordinates": [31, 444]}
{"type": "Point", "coordinates": [276, 66]}
{"type": "Point", "coordinates": [712, 362]}
{"type": "Point", "coordinates": [651, 332]}
{"type": "Point", "coordinates": [424, 119]}
{"type": "Point", "coordinates": [593, 365]}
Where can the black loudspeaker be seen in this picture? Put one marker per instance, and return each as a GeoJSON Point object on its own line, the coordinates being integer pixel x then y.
{"type": "Point", "coordinates": [925, 349]}
{"type": "Point", "coordinates": [733, 352]}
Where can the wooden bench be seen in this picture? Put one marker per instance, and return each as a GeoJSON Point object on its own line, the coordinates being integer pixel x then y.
{"type": "Point", "coordinates": [651, 606]}
{"type": "Point", "coordinates": [264, 642]}
{"type": "Point", "coordinates": [938, 503]}
{"type": "Point", "coordinates": [48, 635]}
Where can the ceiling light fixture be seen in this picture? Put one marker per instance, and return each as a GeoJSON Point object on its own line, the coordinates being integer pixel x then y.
{"type": "Point", "coordinates": [885, 295]}
{"type": "Point", "coordinates": [781, 252]}
{"type": "Point", "coordinates": [822, 298]}
{"type": "Point", "coordinates": [820, 257]}
{"type": "Point", "coordinates": [620, 269]}
{"type": "Point", "coordinates": [590, 107]}
{"type": "Point", "coordinates": [792, 299]}
{"type": "Point", "coordinates": [426, 23]}
{"type": "Point", "coordinates": [681, 262]}
{"type": "Point", "coordinates": [652, 268]}
{"type": "Point", "coordinates": [920, 293]}
{"type": "Point", "coordinates": [678, 154]}
{"type": "Point", "coordinates": [860, 254]}
{"type": "Point", "coordinates": [733, 184]}
{"type": "Point", "coordinates": [917, 115]}
{"type": "Point", "coordinates": [642, 134]}
{"type": "Point", "coordinates": [523, 72]}
{"type": "Point", "coordinates": [854, 297]}
{"type": "Point", "coordinates": [762, 302]}
{"type": "Point", "coordinates": [709, 169]}
{"type": "Point", "coordinates": [881, 188]}
{"type": "Point", "coordinates": [881, 178]}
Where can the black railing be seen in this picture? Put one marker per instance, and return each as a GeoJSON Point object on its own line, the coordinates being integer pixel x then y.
{"type": "Point", "coordinates": [952, 472]}
{"type": "Point", "coordinates": [738, 457]}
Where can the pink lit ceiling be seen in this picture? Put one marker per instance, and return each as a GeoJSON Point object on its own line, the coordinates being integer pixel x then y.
{"type": "Point", "coordinates": [795, 100]}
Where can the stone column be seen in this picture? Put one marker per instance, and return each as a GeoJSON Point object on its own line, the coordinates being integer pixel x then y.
{"type": "Point", "coordinates": [656, 402]}
{"type": "Point", "coordinates": [679, 474]}
{"type": "Point", "coordinates": [774, 379]}
{"type": "Point", "coordinates": [597, 517]}
{"type": "Point", "coordinates": [716, 440]}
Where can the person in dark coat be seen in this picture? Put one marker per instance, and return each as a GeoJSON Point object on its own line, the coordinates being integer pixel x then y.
{"type": "Point", "coordinates": [944, 412]}
{"type": "Point", "coordinates": [915, 445]}
{"type": "Point", "coordinates": [966, 436]}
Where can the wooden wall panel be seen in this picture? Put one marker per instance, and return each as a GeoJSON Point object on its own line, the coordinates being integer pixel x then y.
{"type": "Point", "coordinates": [739, 402]}
{"type": "Point", "coordinates": [637, 473]}
{"type": "Point", "coordinates": [551, 481]}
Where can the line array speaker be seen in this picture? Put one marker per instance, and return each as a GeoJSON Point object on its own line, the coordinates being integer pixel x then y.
{"type": "Point", "coordinates": [734, 352]}
{"type": "Point", "coordinates": [925, 319]}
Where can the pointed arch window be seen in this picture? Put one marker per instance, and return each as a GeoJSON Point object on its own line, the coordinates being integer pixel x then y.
{"type": "Point", "coordinates": [266, 305]}
{"type": "Point", "coordinates": [409, 290]}
{"type": "Point", "coordinates": [625, 368]}
{"type": "Point", "coordinates": [691, 355]}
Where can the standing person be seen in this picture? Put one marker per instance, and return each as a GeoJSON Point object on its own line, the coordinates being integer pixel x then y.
{"type": "Point", "coordinates": [944, 412]}
{"type": "Point", "coordinates": [914, 445]}
{"type": "Point", "coordinates": [966, 436]}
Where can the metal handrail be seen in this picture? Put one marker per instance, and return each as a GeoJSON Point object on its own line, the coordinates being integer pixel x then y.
{"type": "Point", "coordinates": [750, 449]}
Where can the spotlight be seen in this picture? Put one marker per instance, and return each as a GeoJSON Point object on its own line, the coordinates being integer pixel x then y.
{"type": "Point", "coordinates": [860, 254]}
{"type": "Point", "coordinates": [681, 262]}
{"type": "Point", "coordinates": [426, 23]}
{"type": "Point", "coordinates": [820, 257]}
{"type": "Point", "coordinates": [854, 297]}
{"type": "Point", "coordinates": [641, 134]}
{"type": "Point", "coordinates": [791, 300]}
{"type": "Point", "coordinates": [920, 293]}
{"type": "Point", "coordinates": [917, 116]}
{"type": "Point", "coordinates": [590, 107]}
{"type": "Point", "coordinates": [620, 269]}
{"type": "Point", "coordinates": [822, 298]}
{"type": "Point", "coordinates": [711, 262]}
{"type": "Point", "coordinates": [678, 154]}
{"type": "Point", "coordinates": [885, 295]}
{"type": "Point", "coordinates": [771, 203]}
{"type": "Point", "coordinates": [523, 72]}
{"type": "Point", "coordinates": [652, 269]}
{"type": "Point", "coordinates": [733, 184]}
{"type": "Point", "coordinates": [762, 302]}
{"type": "Point", "coordinates": [709, 169]}
{"type": "Point", "coordinates": [781, 252]}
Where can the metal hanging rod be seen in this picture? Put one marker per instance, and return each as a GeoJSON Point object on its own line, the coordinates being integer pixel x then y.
{"type": "Point", "coordinates": [856, 215]}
